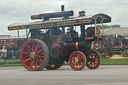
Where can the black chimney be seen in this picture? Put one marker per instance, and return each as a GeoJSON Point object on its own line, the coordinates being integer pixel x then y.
{"type": "Point", "coordinates": [62, 7]}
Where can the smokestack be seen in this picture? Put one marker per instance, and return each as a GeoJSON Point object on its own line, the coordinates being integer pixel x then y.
{"type": "Point", "coordinates": [62, 7]}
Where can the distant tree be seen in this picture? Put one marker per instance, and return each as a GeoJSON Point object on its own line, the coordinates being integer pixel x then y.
{"type": "Point", "coordinates": [115, 26]}
{"type": "Point", "coordinates": [108, 26]}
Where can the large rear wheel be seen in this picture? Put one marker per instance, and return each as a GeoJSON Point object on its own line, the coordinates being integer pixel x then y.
{"type": "Point", "coordinates": [77, 60]}
{"type": "Point", "coordinates": [34, 55]}
{"type": "Point", "coordinates": [93, 59]}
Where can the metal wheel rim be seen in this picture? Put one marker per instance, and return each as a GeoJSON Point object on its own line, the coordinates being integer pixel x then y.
{"type": "Point", "coordinates": [93, 60]}
{"type": "Point", "coordinates": [77, 60]}
{"type": "Point", "coordinates": [32, 55]}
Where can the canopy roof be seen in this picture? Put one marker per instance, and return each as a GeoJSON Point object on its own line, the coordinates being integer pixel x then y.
{"type": "Point", "coordinates": [62, 22]}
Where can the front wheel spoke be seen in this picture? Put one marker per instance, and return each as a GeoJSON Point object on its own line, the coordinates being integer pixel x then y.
{"type": "Point", "coordinates": [73, 63]}
{"type": "Point", "coordinates": [81, 59]}
{"type": "Point", "coordinates": [91, 64]}
{"type": "Point", "coordinates": [96, 60]}
{"type": "Point", "coordinates": [95, 64]}
{"type": "Point", "coordinates": [88, 63]}
{"type": "Point", "coordinates": [81, 62]}
{"type": "Point", "coordinates": [92, 56]}
{"type": "Point", "coordinates": [76, 64]}
{"type": "Point", "coordinates": [78, 56]}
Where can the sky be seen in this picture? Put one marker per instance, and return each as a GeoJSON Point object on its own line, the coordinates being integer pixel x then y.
{"type": "Point", "coordinates": [17, 11]}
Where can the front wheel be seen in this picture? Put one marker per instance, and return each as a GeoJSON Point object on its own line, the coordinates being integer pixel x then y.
{"type": "Point", "coordinates": [77, 60]}
{"type": "Point", "coordinates": [34, 55]}
{"type": "Point", "coordinates": [93, 59]}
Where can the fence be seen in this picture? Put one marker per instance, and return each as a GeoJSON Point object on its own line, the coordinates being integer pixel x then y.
{"type": "Point", "coordinates": [11, 57]}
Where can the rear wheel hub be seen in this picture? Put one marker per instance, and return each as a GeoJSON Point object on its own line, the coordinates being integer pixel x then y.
{"type": "Point", "coordinates": [33, 55]}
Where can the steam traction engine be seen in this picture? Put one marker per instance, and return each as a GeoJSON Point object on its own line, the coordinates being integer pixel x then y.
{"type": "Point", "coordinates": [49, 45]}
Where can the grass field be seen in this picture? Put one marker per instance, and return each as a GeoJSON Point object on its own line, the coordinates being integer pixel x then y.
{"type": "Point", "coordinates": [123, 61]}
{"type": "Point", "coordinates": [10, 62]}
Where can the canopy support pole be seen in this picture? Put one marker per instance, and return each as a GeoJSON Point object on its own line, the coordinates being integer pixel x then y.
{"type": "Point", "coordinates": [18, 33]}
{"type": "Point", "coordinates": [95, 28]}
{"type": "Point", "coordinates": [50, 31]}
{"type": "Point", "coordinates": [26, 33]}
{"type": "Point", "coordinates": [102, 27]}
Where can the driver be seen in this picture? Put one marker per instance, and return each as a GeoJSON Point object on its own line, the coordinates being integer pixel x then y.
{"type": "Point", "coordinates": [71, 34]}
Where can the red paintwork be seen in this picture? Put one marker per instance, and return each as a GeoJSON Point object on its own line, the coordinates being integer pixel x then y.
{"type": "Point", "coordinates": [93, 60]}
{"type": "Point", "coordinates": [55, 45]}
{"type": "Point", "coordinates": [79, 57]}
{"type": "Point", "coordinates": [31, 63]}
{"type": "Point", "coordinates": [8, 43]}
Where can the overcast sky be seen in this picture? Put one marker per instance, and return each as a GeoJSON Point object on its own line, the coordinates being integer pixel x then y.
{"type": "Point", "coordinates": [14, 11]}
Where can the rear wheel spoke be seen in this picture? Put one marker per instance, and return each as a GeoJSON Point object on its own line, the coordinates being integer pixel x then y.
{"type": "Point", "coordinates": [26, 53]}
{"type": "Point", "coordinates": [39, 51]}
{"type": "Point", "coordinates": [39, 56]}
{"type": "Point", "coordinates": [29, 49]}
{"type": "Point", "coordinates": [30, 64]}
{"type": "Point", "coordinates": [27, 60]}
{"type": "Point", "coordinates": [34, 45]}
{"type": "Point", "coordinates": [38, 61]}
{"type": "Point", "coordinates": [36, 48]}
{"type": "Point", "coordinates": [35, 63]}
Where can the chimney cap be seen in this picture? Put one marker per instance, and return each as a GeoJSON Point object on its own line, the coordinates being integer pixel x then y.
{"type": "Point", "coordinates": [82, 13]}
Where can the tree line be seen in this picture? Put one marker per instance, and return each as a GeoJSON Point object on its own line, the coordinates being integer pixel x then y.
{"type": "Point", "coordinates": [108, 26]}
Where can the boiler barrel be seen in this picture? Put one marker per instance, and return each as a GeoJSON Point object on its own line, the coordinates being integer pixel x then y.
{"type": "Point", "coordinates": [79, 45]}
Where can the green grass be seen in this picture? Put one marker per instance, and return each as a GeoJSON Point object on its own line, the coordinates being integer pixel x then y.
{"type": "Point", "coordinates": [123, 61]}
{"type": "Point", "coordinates": [10, 62]}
